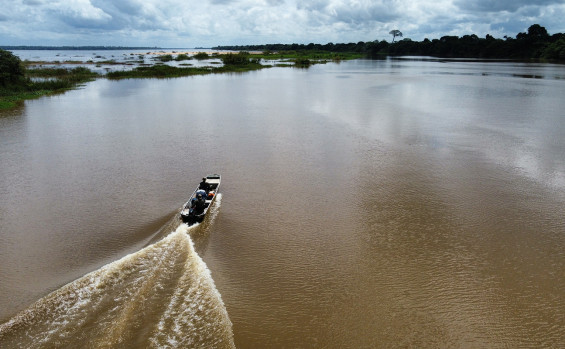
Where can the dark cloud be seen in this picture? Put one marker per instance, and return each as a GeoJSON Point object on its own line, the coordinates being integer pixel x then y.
{"type": "Point", "coordinates": [502, 5]}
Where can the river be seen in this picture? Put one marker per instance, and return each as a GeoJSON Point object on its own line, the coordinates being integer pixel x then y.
{"type": "Point", "coordinates": [396, 203]}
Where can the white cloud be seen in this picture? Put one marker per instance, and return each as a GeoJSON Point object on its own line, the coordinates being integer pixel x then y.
{"type": "Point", "coordinates": [77, 13]}
{"type": "Point", "coordinates": [210, 22]}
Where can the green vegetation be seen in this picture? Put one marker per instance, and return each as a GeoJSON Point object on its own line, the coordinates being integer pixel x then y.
{"type": "Point", "coordinates": [182, 57]}
{"type": "Point", "coordinates": [158, 71]}
{"type": "Point", "coordinates": [536, 44]}
{"type": "Point", "coordinates": [233, 63]}
{"type": "Point", "coordinates": [18, 83]}
{"type": "Point", "coordinates": [242, 58]}
{"type": "Point", "coordinates": [240, 62]}
{"type": "Point", "coordinates": [72, 76]}
{"type": "Point", "coordinates": [11, 69]}
{"type": "Point", "coordinates": [164, 58]}
{"type": "Point", "coordinates": [302, 62]}
{"type": "Point", "coordinates": [201, 55]}
{"type": "Point", "coordinates": [555, 50]}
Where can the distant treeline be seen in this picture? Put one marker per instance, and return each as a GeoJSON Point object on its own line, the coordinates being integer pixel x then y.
{"type": "Point", "coordinates": [535, 44]}
{"type": "Point", "coordinates": [84, 48]}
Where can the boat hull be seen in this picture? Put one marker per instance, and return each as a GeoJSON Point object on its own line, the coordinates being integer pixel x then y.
{"type": "Point", "coordinates": [188, 214]}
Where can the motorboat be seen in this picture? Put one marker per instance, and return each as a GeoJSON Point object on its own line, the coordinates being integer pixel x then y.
{"type": "Point", "coordinates": [195, 209]}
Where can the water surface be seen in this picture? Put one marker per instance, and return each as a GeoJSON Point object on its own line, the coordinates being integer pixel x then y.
{"type": "Point", "coordinates": [364, 204]}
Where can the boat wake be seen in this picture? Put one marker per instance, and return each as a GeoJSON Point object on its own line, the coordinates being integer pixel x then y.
{"type": "Point", "coordinates": [160, 297]}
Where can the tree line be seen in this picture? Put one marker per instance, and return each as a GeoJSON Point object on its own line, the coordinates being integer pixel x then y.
{"type": "Point", "coordinates": [536, 43]}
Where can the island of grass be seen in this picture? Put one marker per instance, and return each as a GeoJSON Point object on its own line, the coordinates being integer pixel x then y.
{"type": "Point", "coordinates": [232, 63]}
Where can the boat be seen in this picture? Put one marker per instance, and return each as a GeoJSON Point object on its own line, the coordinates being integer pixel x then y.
{"type": "Point", "coordinates": [195, 209]}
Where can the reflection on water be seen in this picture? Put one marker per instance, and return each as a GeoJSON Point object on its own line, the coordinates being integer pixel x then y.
{"type": "Point", "coordinates": [366, 204]}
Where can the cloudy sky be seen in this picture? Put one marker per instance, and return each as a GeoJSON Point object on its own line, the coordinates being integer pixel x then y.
{"type": "Point", "coordinates": [192, 23]}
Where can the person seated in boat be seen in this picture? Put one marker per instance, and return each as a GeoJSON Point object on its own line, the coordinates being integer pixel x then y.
{"type": "Point", "coordinates": [199, 204]}
{"type": "Point", "coordinates": [204, 185]}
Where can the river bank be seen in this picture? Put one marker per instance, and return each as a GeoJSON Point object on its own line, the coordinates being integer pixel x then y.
{"type": "Point", "coordinates": [47, 74]}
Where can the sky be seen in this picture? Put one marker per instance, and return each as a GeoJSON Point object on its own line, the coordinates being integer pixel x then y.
{"type": "Point", "coordinates": [207, 23]}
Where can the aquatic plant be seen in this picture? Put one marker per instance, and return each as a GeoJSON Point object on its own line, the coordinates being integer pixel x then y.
{"type": "Point", "coordinates": [182, 57]}
{"type": "Point", "coordinates": [201, 55]}
{"type": "Point", "coordinates": [302, 62]}
{"type": "Point", "coordinates": [165, 58]}
{"type": "Point", "coordinates": [167, 71]}
{"type": "Point", "coordinates": [239, 59]}
{"type": "Point", "coordinates": [158, 71]}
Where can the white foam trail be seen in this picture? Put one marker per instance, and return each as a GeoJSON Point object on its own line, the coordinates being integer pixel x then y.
{"type": "Point", "coordinates": [187, 304]}
{"type": "Point", "coordinates": [162, 296]}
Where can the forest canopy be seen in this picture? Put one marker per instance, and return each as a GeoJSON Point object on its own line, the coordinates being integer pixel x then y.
{"type": "Point", "coordinates": [536, 43]}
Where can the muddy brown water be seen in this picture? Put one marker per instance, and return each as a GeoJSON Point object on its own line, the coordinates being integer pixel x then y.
{"type": "Point", "coordinates": [398, 203]}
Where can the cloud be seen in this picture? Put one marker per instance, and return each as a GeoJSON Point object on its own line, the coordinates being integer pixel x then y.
{"type": "Point", "coordinates": [222, 2]}
{"type": "Point", "coordinates": [33, 2]}
{"type": "Point", "coordinates": [179, 23]}
{"type": "Point", "coordinates": [502, 5]}
{"type": "Point", "coordinates": [78, 13]}
{"type": "Point", "coordinates": [352, 11]}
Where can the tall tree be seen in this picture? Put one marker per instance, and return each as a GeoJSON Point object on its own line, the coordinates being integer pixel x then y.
{"type": "Point", "coordinates": [395, 33]}
{"type": "Point", "coordinates": [11, 68]}
{"type": "Point", "coordinates": [537, 32]}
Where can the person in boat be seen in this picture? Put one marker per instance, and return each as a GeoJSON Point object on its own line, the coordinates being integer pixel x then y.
{"type": "Point", "coordinates": [204, 185]}
{"type": "Point", "coordinates": [199, 204]}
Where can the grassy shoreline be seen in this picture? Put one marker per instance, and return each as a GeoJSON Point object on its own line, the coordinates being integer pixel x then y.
{"type": "Point", "coordinates": [42, 81]}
